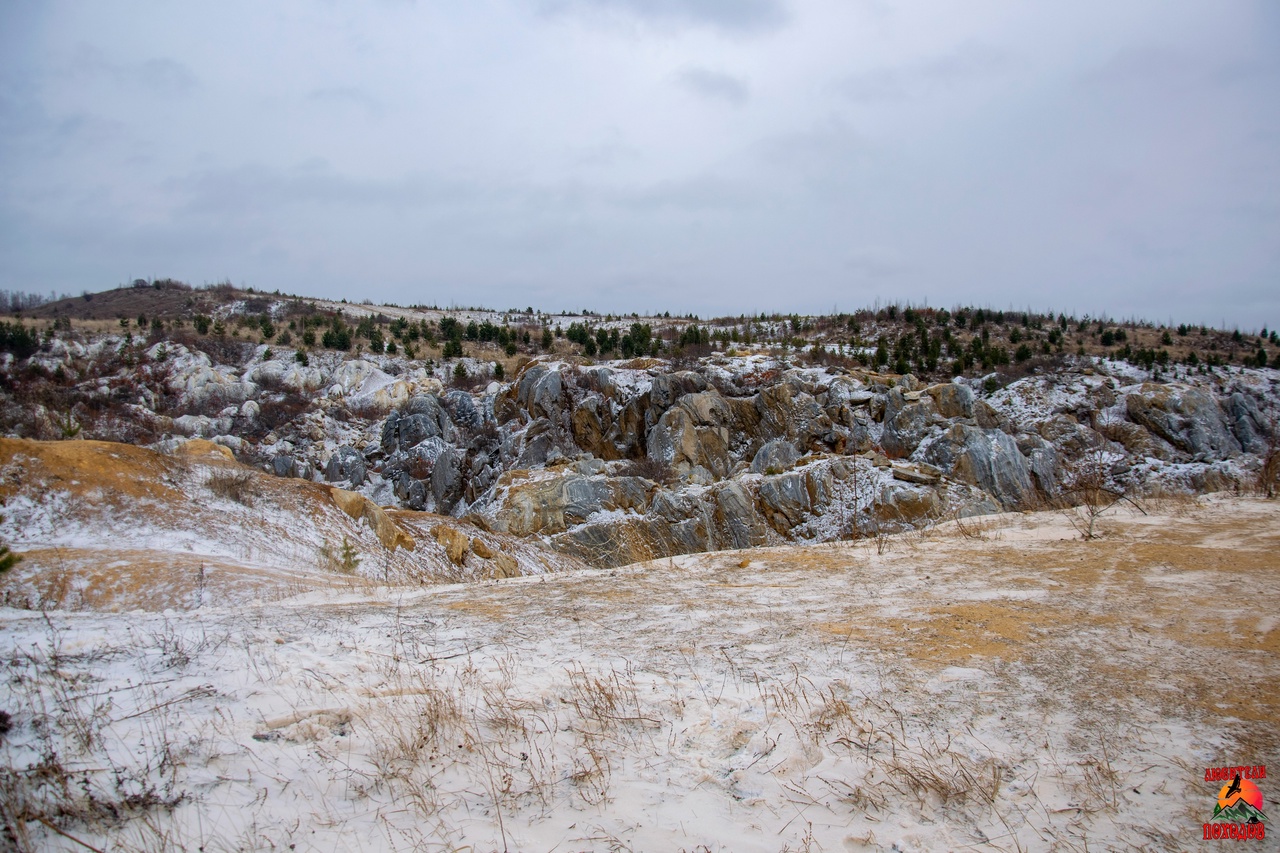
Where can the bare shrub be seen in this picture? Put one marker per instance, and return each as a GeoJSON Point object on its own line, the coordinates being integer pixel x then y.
{"type": "Point", "coordinates": [233, 485]}
{"type": "Point", "coordinates": [1269, 473]}
{"type": "Point", "coordinates": [74, 779]}
{"type": "Point", "coordinates": [219, 349]}
{"type": "Point", "coordinates": [275, 414]}
{"type": "Point", "coordinates": [1090, 484]}
{"type": "Point", "coordinates": [649, 468]}
{"type": "Point", "coordinates": [974, 529]}
{"type": "Point", "coordinates": [369, 411]}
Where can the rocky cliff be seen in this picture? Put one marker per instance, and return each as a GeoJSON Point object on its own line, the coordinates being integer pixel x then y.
{"type": "Point", "coordinates": [618, 464]}
{"type": "Point", "coordinates": [631, 460]}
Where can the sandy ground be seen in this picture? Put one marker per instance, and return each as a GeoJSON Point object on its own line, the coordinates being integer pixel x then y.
{"type": "Point", "coordinates": [1001, 686]}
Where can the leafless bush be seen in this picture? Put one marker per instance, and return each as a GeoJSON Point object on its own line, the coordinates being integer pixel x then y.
{"type": "Point", "coordinates": [273, 414]}
{"type": "Point", "coordinates": [75, 779]}
{"type": "Point", "coordinates": [1269, 473]}
{"type": "Point", "coordinates": [974, 529]}
{"type": "Point", "coordinates": [233, 485]}
{"type": "Point", "coordinates": [649, 468]}
{"type": "Point", "coordinates": [221, 350]}
{"type": "Point", "coordinates": [1090, 484]}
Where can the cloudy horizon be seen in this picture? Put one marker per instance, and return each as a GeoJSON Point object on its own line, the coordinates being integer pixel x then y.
{"type": "Point", "coordinates": [693, 156]}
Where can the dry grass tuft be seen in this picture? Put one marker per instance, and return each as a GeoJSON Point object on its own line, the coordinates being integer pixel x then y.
{"type": "Point", "coordinates": [237, 486]}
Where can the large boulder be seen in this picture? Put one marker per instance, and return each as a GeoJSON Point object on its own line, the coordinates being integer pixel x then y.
{"type": "Point", "coordinates": [1042, 462]}
{"type": "Point", "coordinates": [1072, 438]}
{"type": "Point", "coordinates": [736, 523]}
{"type": "Point", "coordinates": [1188, 418]}
{"type": "Point", "coordinates": [787, 500]}
{"type": "Point", "coordinates": [286, 465]}
{"type": "Point", "coordinates": [346, 463]}
{"type": "Point", "coordinates": [415, 429]}
{"type": "Point", "coordinates": [446, 478]}
{"type": "Point", "coordinates": [810, 425]}
{"type": "Point", "coordinates": [1248, 423]}
{"type": "Point", "coordinates": [456, 544]}
{"type": "Point", "coordinates": [847, 392]}
{"type": "Point", "coordinates": [906, 423]}
{"type": "Point", "coordinates": [436, 419]}
{"type": "Point", "coordinates": [773, 413]}
{"type": "Point", "coordinates": [667, 389]}
{"type": "Point", "coordinates": [899, 506]}
{"type": "Point", "coordinates": [553, 505]}
{"type": "Point", "coordinates": [414, 476]}
{"type": "Point", "coordinates": [540, 392]}
{"type": "Point", "coordinates": [1138, 441]}
{"type": "Point", "coordinates": [461, 408]}
{"type": "Point", "coordinates": [688, 437]}
{"type": "Point", "coordinates": [590, 423]}
{"type": "Point", "coordinates": [356, 505]}
{"type": "Point", "coordinates": [951, 399]}
{"type": "Point", "coordinates": [722, 517]}
{"type": "Point", "coordinates": [537, 442]}
{"type": "Point", "coordinates": [774, 457]}
{"type": "Point", "coordinates": [988, 458]}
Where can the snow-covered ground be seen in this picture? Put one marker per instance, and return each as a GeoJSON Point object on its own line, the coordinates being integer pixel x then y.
{"type": "Point", "coordinates": [995, 684]}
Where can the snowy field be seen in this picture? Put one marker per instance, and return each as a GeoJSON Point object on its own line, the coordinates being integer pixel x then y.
{"type": "Point", "coordinates": [1000, 685]}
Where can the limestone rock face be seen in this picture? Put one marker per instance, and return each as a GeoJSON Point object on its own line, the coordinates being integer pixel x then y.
{"type": "Point", "coordinates": [774, 457]}
{"type": "Point", "coordinates": [346, 463]}
{"type": "Point", "coordinates": [693, 435]}
{"type": "Point", "coordinates": [1187, 418]}
{"type": "Point", "coordinates": [456, 544]}
{"type": "Point", "coordinates": [553, 505]}
{"type": "Point", "coordinates": [358, 506]}
{"type": "Point", "coordinates": [787, 500]}
{"type": "Point", "coordinates": [988, 458]}
{"type": "Point", "coordinates": [951, 399]}
{"type": "Point", "coordinates": [540, 458]}
{"type": "Point", "coordinates": [906, 423]}
{"type": "Point", "coordinates": [540, 392]}
{"type": "Point", "coordinates": [1248, 423]}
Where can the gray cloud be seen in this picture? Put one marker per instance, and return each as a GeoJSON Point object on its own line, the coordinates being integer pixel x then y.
{"type": "Point", "coordinates": [738, 16]}
{"type": "Point", "coordinates": [1070, 156]}
{"type": "Point", "coordinates": [714, 85]}
{"type": "Point", "coordinates": [351, 96]}
{"type": "Point", "coordinates": [158, 75]}
{"type": "Point", "coordinates": [969, 63]}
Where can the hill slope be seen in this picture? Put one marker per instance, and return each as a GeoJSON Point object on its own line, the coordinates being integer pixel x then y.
{"type": "Point", "coordinates": [111, 526]}
{"type": "Point", "coordinates": [998, 686]}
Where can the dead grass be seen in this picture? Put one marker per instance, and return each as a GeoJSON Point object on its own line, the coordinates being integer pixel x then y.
{"type": "Point", "coordinates": [236, 486]}
{"type": "Point", "coordinates": [854, 705]}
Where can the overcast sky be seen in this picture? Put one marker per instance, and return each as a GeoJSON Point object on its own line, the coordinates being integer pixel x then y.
{"type": "Point", "coordinates": [707, 156]}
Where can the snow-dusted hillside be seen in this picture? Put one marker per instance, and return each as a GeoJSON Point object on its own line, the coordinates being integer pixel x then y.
{"type": "Point", "coordinates": [989, 685]}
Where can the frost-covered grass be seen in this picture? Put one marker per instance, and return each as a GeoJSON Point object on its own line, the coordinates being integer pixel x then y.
{"type": "Point", "coordinates": [974, 685]}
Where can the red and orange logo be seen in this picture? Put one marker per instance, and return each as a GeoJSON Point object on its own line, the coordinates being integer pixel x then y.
{"type": "Point", "coordinates": [1238, 814]}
